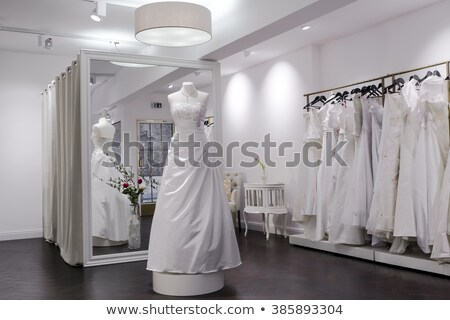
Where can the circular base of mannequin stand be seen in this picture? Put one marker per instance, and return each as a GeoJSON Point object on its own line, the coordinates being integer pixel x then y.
{"type": "Point", "coordinates": [184, 285]}
{"type": "Point", "coordinates": [101, 242]}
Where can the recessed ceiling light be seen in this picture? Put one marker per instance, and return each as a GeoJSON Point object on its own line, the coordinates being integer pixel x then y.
{"type": "Point", "coordinates": [132, 65]}
{"type": "Point", "coordinates": [304, 28]}
{"type": "Point", "coordinates": [171, 86]}
{"type": "Point", "coordinates": [248, 53]}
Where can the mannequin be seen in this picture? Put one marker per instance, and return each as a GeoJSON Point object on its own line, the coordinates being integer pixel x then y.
{"type": "Point", "coordinates": [110, 212]}
{"type": "Point", "coordinates": [188, 93]}
{"type": "Point", "coordinates": [192, 240]}
{"type": "Point", "coordinates": [102, 132]}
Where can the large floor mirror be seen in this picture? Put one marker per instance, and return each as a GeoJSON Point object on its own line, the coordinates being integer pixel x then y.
{"type": "Point", "coordinates": [126, 131]}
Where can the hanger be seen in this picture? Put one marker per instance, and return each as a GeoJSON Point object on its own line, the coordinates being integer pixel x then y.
{"type": "Point", "coordinates": [317, 99]}
{"type": "Point", "coordinates": [429, 74]}
{"type": "Point", "coordinates": [399, 83]}
{"type": "Point", "coordinates": [346, 96]}
{"type": "Point", "coordinates": [356, 91]}
{"type": "Point", "coordinates": [436, 73]}
{"type": "Point", "coordinates": [375, 91]}
{"type": "Point", "coordinates": [337, 96]}
{"type": "Point", "coordinates": [448, 78]}
{"type": "Point", "coordinates": [414, 77]}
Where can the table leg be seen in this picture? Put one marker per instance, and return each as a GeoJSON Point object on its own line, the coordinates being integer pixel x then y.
{"type": "Point", "coordinates": [264, 223]}
{"type": "Point", "coordinates": [245, 223]}
{"type": "Point", "coordinates": [267, 226]}
{"type": "Point", "coordinates": [239, 221]}
{"type": "Point", "coordinates": [284, 225]}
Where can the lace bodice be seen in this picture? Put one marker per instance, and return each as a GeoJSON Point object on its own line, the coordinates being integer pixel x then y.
{"type": "Point", "coordinates": [188, 116]}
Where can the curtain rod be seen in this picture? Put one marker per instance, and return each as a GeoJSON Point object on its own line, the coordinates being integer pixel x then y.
{"type": "Point", "coordinates": [69, 69]}
{"type": "Point", "coordinates": [379, 78]}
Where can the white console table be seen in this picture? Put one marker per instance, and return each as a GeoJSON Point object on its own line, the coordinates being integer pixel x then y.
{"type": "Point", "coordinates": [265, 199]}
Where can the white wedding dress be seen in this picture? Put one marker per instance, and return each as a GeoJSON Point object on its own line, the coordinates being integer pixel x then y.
{"type": "Point", "coordinates": [341, 229]}
{"type": "Point", "coordinates": [430, 158]}
{"type": "Point", "coordinates": [192, 230]}
{"type": "Point", "coordinates": [405, 221]}
{"type": "Point", "coordinates": [305, 207]}
{"type": "Point", "coordinates": [441, 247]}
{"type": "Point", "coordinates": [382, 210]}
{"type": "Point", "coordinates": [110, 208]}
{"type": "Point", "coordinates": [326, 176]}
{"type": "Point", "coordinates": [362, 172]}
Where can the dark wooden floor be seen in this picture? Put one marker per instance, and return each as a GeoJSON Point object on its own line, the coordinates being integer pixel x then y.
{"type": "Point", "coordinates": [32, 269]}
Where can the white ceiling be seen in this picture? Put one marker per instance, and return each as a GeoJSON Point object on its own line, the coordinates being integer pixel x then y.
{"type": "Point", "coordinates": [352, 18]}
{"type": "Point", "coordinates": [270, 28]}
{"type": "Point", "coordinates": [70, 19]}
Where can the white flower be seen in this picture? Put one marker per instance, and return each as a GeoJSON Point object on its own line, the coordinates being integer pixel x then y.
{"type": "Point", "coordinates": [142, 186]}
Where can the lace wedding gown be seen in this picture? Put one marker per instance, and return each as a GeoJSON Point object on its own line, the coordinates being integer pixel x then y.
{"type": "Point", "coordinates": [192, 230]}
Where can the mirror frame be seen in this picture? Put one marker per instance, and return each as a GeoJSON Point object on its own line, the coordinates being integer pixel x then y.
{"type": "Point", "coordinates": [86, 56]}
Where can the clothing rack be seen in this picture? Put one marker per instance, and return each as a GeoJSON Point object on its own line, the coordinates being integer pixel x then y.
{"type": "Point", "coordinates": [380, 255]}
{"type": "Point", "coordinates": [383, 79]}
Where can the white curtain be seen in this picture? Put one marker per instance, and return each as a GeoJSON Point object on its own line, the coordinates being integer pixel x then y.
{"type": "Point", "coordinates": [62, 201]}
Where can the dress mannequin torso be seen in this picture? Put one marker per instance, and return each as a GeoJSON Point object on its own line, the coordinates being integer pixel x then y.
{"type": "Point", "coordinates": [192, 239]}
{"type": "Point", "coordinates": [188, 93]}
{"type": "Point", "coordinates": [102, 132]}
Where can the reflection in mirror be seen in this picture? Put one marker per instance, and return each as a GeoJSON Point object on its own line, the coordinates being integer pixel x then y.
{"type": "Point", "coordinates": [132, 128]}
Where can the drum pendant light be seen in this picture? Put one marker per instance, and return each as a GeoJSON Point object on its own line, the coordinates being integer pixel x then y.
{"type": "Point", "coordinates": [173, 24]}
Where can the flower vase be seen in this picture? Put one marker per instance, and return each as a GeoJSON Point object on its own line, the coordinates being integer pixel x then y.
{"type": "Point", "coordinates": [134, 230]}
{"type": "Point", "coordinates": [264, 178]}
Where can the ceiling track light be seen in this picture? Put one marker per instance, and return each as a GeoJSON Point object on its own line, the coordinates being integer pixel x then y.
{"type": "Point", "coordinates": [304, 28]}
{"type": "Point", "coordinates": [173, 24]}
{"type": "Point", "coordinates": [45, 41]}
{"type": "Point", "coordinates": [99, 11]}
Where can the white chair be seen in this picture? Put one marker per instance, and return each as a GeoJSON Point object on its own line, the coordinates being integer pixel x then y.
{"type": "Point", "coordinates": [235, 201]}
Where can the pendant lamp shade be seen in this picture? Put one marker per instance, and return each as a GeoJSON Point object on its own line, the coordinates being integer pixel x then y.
{"type": "Point", "coordinates": [173, 24]}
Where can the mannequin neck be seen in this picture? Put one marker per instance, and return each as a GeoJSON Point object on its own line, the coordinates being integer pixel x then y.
{"type": "Point", "coordinates": [188, 89]}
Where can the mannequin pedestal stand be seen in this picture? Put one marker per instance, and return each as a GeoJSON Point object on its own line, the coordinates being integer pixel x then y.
{"type": "Point", "coordinates": [184, 285]}
{"type": "Point", "coordinates": [100, 242]}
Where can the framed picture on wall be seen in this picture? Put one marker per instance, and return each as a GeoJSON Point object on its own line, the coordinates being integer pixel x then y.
{"type": "Point", "coordinates": [155, 136]}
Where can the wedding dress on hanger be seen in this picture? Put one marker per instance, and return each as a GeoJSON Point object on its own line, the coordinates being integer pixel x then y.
{"type": "Point", "coordinates": [405, 221]}
{"type": "Point", "coordinates": [363, 179]}
{"type": "Point", "coordinates": [382, 210]}
{"type": "Point", "coordinates": [326, 177]}
{"type": "Point", "coordinates": [341, 229]}
{"type": "Point", "coordinates": [430, 158]}
{"type": "Point", "coordinates": [306, 201]}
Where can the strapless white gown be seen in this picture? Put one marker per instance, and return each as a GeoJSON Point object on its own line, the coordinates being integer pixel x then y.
{"type": "Point", "coordinates": [110, 209]}
{"type": "Point", "coordinates": [192, 230]}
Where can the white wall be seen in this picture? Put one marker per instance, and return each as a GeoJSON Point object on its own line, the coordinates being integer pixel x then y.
{"type": "Point", "coordinates": [410, 41]}
{"type": "Point", "coordinates": [268, 99]}
{"type": "Point", "coordinates": [137, 107]}
{"type": "Point", "coordinates": [265, 98]}
{"type": "Point", "coordinates": [22, 78]}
